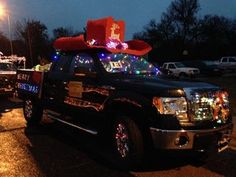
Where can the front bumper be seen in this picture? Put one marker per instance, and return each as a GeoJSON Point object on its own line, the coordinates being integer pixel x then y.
{"type": "Point", "coordinates": [192, 139]}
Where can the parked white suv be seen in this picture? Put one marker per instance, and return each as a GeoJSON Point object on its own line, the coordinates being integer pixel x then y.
{"type": "Point", "coordinates": [228, 64]}
{"type": "Point", "coordinates": [178, 69]}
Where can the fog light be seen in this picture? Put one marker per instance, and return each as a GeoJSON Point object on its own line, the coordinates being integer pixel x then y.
{"type": "Point", "coordinates": [182, 140]}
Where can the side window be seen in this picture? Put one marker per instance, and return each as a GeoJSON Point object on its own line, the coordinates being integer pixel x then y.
{"type": "Point", "coordinates": [83, 63]}
{"type": "Point", "coordinates": [63, 64]}
{"type": "Point", "coordinates": [224, 59]}
{"type": "Point", "coordinates": [7, 67]}
{"type": "Point", "coordinates": [232, 60]}
{"type": "Point", "coordinates": [171, 66]}
{"type": "Point", "coordinates": [2, 66]}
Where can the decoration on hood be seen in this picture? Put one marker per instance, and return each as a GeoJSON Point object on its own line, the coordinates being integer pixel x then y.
{"type": "Point", "coordinates": [104, 33]}
{"type": "Point", "coordinates": [221, 107]}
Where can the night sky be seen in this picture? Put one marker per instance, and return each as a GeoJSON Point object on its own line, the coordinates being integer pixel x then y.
{"type": "Point", "coordinates": [75, 13]}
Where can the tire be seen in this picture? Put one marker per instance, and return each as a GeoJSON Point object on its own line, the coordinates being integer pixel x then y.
{"type": "Point", "coordinates": [127, 143]}
{"type": "Point", "coordinates": [32, 111]}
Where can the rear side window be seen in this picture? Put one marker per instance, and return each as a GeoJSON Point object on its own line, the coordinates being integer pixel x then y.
{"type": "Point", "coordinates": [232, 60]}
{"type": "Point", "coordinates": [83, 62]}
{"type": "Point", "coordinates": [171, 66]}
{"type": "Point", "coordinates": [63, 64]}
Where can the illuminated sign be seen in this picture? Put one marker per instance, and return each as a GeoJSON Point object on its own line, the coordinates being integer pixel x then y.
{"type": "Point", "coordinates": [23, 76]}
{"type": "Point", "coordinates": [115, 65]}
{"type": "Point", "coordinates": [28, 87]}
{"type": "Point", "coordinates": [75, 89]}
{"type": "Point", "coordinates": [29, 81]}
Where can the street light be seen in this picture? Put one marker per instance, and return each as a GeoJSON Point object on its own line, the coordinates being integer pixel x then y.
{"type": "Point", "coordinates": [9, 29]}
{"type": "Point", "coordinates": [4, 12]}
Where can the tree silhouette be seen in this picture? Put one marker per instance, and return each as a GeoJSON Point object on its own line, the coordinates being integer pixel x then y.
{"type": "Point", "coordinates": [4, 44]}
{"type": "Point", "coordinates": [62, 32]}
{"type": "Point", "coordinates": [175, 32]}
{"type": "Point", "coordinates": [35, 37]}
{"type": "Point", "coordinates": [181, 34]}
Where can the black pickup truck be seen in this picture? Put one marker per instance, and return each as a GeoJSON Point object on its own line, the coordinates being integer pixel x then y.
{"type": "Point", "coordinates": [122, 96]}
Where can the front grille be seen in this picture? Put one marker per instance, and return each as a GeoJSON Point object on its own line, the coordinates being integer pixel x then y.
{"type": "Point", "coordinates": [209, 105]}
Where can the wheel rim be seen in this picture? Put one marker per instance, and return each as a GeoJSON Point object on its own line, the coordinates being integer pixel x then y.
{"type": "Point", "coordinates": [28, 108]}
{"type": "Point", "coordinates": [122, 140]}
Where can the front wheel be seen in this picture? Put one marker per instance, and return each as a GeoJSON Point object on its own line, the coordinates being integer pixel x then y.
{"type": "Point", "coordinates": [128, 142]}
{"type": "Point", "coordinates": [32, 111]}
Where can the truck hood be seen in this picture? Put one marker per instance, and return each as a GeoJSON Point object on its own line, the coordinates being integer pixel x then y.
{"type": "Point", "coordinates": [153, 85]}
{"type": "Point", "coordinates": [187, 68]}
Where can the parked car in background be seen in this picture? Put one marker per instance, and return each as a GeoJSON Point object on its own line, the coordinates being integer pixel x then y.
{"type": "Point", "coordinates": [227, 63]}
{"type": "Point", "coordinates": [7, 77]}
{"type": "Point", "coordinates": [207, 68]}
{"type": "Point", "coordinates": [178, 69]}
{"type": "Point", "coordinates": [163, 72]}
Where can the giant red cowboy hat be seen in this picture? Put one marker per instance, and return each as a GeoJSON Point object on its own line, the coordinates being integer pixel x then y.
{"type": "Point", "coordinates": [103, 34]}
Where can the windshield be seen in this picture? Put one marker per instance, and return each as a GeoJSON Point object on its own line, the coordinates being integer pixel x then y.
{"type": "Point", "coordinates": [7, 67]}
{"type": "Point", "coordinates": [125, 63]}
{"type": "Point", "coordinates": [179, 65]}
{"type": "Point", "coordinates": [208, 62]}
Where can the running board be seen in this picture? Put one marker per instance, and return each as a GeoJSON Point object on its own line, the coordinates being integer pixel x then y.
{"type": "Point", "coordinates": [54, 117]}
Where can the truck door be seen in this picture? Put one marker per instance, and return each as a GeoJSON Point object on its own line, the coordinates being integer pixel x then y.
{"type": "Point", "coordinates": [85, 92]}
{"type": "Point", "coordinates": [58, 77]}
{"type": "Point", "coordinates": [173, 69]}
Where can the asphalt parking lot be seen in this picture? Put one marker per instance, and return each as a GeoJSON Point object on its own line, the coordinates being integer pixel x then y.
{"type": "Point", "coordinates": [52, 149]}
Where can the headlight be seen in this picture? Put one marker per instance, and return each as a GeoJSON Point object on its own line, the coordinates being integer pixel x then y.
{"type": "Point", "coordinates": [191, 71]}
{"type": "Point", "coordinates": [172, 106]}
